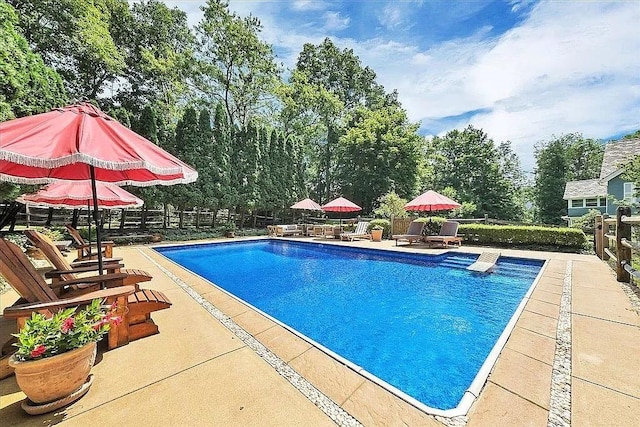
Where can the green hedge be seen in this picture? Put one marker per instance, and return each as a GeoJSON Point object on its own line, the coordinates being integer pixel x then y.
{"type": "Point", "coordinates": [522, 235]}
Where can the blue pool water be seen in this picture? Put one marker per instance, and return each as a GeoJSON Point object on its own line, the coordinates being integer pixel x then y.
{"type": "Point", "coordinates": [422, 323]}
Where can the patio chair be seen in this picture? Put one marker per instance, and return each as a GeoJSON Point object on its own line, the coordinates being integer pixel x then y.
{"type": "Point", "coordinates": [447, 236]}
{"type": "Point", "coordinates": [359, 233]}
{"type": "Point", "coordinates": [87, 251]}
{"type": "Point", "coordinates": [66, 271]}
{"type": "Point", "coordinates": [38, 295]}
{"type": "Point", "coordinates": [413, 234]}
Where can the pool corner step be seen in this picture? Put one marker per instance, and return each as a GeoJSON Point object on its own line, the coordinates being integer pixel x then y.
{"type": "Point", "coordinates": [485, 262]}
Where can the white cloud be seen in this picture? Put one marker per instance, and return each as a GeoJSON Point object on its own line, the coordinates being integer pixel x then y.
{"type": "Point", "coordinates": [333, 21]}
{"type": "Point", "coordinates": [569, 67]}
{"type": "Point", "coordinates": [306, 5]}
{"type": "Point", "coordinates": [565, 69]}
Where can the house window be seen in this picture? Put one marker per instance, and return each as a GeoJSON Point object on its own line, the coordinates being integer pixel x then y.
{"type": "Point", "coordinates": [629, 190]}
{"type": "Point", "coordinates": [591, 203]}
{"type": "Point", "coordinates": [577, 203]}
{"type": "Point", "coordinates": [602, 201]}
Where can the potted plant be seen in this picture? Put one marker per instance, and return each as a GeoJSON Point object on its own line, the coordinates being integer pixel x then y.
{"type": "Point", "coordinates": [230, 230]}
{"type": "Point", "coordinates": [55, 354]}
{"type": "Point", "coordinates": [376, 233]}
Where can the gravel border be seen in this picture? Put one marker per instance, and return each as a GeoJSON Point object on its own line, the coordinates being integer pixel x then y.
{"type": "Point", "coordinates": [324, 403]}
{"type": "Point", "coordinates": [560, 403]}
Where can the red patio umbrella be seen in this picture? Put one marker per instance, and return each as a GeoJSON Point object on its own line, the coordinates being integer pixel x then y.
{"type": "Point", "coordinates": [307, 204]}
{"type": "Point", "coordinates": [431, 201]}
{"type": "Point", "coordinates": [80, 142]}
{"type": "Point", "coordinates": [78, 194]}
{"type": "Point", "coordinates": [341, 205]}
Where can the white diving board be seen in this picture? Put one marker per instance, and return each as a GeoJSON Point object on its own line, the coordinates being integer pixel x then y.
{"type": "Point", "coordinates": [485, 262]}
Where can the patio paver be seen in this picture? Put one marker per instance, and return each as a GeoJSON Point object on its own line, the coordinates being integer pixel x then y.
{"type": "Point", "coordinates": [223, 382]}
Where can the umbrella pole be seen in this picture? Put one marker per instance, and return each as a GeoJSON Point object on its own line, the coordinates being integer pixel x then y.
{"type": "Point", "coordinates": [89, 224]}
{"type": "Point", "coordinates": [96, 217]}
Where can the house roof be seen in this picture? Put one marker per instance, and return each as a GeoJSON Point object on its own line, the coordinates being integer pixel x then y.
{"type": "Point", "coordinates": [617, 153]}
{"type": "Point", "coordinates": [584, 189]}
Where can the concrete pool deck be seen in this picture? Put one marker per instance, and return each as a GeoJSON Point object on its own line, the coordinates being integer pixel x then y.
{"type": "Point", "coordinates": [199, 372]}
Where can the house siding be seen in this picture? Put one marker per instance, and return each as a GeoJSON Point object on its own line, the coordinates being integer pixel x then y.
{"type": "Point", "coordinates": [615, 189]}
{"type": "Point", "coordinates": [576, 212]}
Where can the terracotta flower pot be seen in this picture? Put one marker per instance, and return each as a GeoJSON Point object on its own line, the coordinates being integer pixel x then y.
{"type": "Point", "coordinates": [53, 378]}
{"type": "Point", "coordinates": [376, 235]}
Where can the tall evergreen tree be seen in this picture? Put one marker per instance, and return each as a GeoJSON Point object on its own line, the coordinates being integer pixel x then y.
{"type": "Point", "coordinates": [569, 157]}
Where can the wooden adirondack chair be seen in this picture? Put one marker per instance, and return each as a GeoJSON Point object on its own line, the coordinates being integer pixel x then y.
{"type": "Point", "coordinates": [66, 271]}
{"type": "Point", "coordinates": [37, 295]}
{"type": "Point", "coordinates": [85, 250]}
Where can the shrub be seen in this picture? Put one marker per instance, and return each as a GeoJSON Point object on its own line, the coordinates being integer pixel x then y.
{"type": "Point", "coordinates": [523, 235]}
{"type": "Point", "coordinates": [384, 223]}
{"type": "Point", "coordinates": [432, 224]}
{"type": "Point", "coordinates": [587, 220]}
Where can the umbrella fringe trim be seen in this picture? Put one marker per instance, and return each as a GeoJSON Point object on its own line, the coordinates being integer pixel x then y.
{"type": "Point", "coordinates": [22, 180]}
{"type": "Point", "coordinates": [83, 158]}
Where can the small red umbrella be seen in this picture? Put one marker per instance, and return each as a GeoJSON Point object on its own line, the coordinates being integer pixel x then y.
{"type": "Point", "coordinates": [77, 194]}
{"type": "Point", "coordinates": [341, 205]}
{"type": "Point", "coordinates": [307, 204]}
{"type": "Point", "coordinates": [431, 201]}
{"type": "Point", "coordinates": [80, 142]}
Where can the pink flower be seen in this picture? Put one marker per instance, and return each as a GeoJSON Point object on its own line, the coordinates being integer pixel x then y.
{"type": "Point", "coordinates": [116, 320]}
{"type": "Point", "coordinates": [37, 352]}
{"type": "Point", "coordinates": [67, 325]}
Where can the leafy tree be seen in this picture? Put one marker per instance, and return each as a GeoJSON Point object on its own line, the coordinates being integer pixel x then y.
{"type": "Point", "coordinates": [236, 67]}
{"type": "Point", "coordinates": [633, 135]}
{"type": "Point", "coordinates": [73, 37]}
{"type": "Point", "coordinates": [328, 85]}
{"type": "Point", "coordinates": [378, 153]}
{"type": "Point", "coordinates": [27, 85]}
{"type": "Point", "coordinates": [632, 173]}
{"type": "Point", "coordinates": [391, 205]}
{"type": "Point", "coordinates": [465, 211]}
{"type": "Point", "coordinates": [566, 158]}
{"type": "Point", "coordinates": [188, 149]}
{"type": "Point", "coordinates": [469, 162]}
{"type": "Point", "coordinates": [219, 168]}
{"type": "Point", "coordinates": [160, 47]}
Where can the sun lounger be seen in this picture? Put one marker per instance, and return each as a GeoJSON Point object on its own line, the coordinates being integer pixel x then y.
{"type": "Point", "coordinates": [413, 234]}
{"type": "Point", "coordinates": [447, 236]}
{"type": "Point", "coordinates": [359, 233]}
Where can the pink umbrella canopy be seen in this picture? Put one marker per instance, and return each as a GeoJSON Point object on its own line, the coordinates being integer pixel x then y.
{"type": "Point", "coordinates": [51, 146]}
{"type": "Point", "coordinates": [341, 205]}
{"type": "Point", "coordinates": [307, 204]}
{"type": "Point", "coordinates": [431, 201]}
{"type": "Point", "coordinates": [77, 194]}
{"type": "Point", "coordinates": [80, 142]}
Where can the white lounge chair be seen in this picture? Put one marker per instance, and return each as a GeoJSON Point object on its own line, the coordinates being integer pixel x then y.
{"type": "Point", "coordinates": [359, 233]}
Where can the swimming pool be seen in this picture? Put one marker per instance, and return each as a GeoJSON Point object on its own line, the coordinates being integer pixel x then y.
{"type": "Point", "coordinates": [422, 323]}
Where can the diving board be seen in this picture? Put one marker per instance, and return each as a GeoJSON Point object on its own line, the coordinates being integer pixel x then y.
{"type": "Point", "coordinates": [485, 262]}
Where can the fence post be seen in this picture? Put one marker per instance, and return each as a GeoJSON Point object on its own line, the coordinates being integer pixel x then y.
{"type": "Point", "coordinates": [486, 218]}
{"type": "Point", "coordinates": [598, 235]}
{"type": "Point", "coordinates": [623, 231]}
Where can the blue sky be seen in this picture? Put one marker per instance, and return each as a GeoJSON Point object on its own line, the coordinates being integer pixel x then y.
{"type": "Point", "coordinates": [522, 70]}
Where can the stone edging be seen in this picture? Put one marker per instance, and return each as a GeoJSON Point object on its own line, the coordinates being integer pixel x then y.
{"type": "Point", "coordinates": [633, 292]}
{"type": "Point", "coordinates": [324, 403]}
{"type": "Point", "coordinates": [560, 402]}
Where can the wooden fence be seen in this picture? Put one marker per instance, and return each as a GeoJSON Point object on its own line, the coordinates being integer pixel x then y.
{"type": "Point", "coordinates": [613, 242]}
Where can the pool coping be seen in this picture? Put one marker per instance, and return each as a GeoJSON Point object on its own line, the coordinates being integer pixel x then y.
{"type": "Point", "coordinates": [469, 396]}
